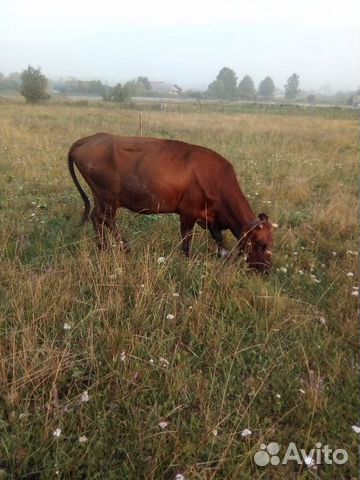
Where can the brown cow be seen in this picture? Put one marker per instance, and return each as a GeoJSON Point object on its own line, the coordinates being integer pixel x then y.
{"type": "Point", "coordinates": [151, 175]}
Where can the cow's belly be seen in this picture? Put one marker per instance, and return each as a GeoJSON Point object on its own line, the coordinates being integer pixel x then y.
{"type": "Point", "coordinates": [148, 207]}
{"type": "Point", "coordinates": [141, 197]}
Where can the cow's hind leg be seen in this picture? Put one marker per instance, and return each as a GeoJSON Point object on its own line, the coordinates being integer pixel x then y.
{"type": "Point", "coordinates": [98, 215]}
{"type": "Point", "coordinates": [186, 227]}
{"type": "Point", "coordinates": [111, 224]}
{"type": "Point", "coordinates": [86, 214]}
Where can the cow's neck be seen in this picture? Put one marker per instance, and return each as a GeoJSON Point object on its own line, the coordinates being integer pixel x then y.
{"type": "Point", "coordinates": [238, 212]}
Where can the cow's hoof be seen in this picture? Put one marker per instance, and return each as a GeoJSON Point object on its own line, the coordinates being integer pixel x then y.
{"type": "Point", "coordinates": [224, 253]}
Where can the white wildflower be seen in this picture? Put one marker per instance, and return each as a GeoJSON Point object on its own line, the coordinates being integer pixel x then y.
{"type": "Point", "coordinates": [67, 326]}
{"type": "Point", "coordinates": [151, 361]}
{"type": "Point", "coordinates": [179, 476]}
{"type": "Point", "coordinates": [356, 429]}
{"type": "Point", "coordinates": [214, 432]}
{"type": "Point", "coordinates": [24, 415]}
{"type": "Point", "coordinates": [112, 276]}
{"type": "Point", "coordinates": [161, 260]}
{"type": "Point", "coordinates": [57, 433]}
{"type": "Point", "coordinates": [350, 274]}
{"type": "Point", "coordinates": [322, 320]}
{"type": "Point", "coordinates": [309, 461]}
{"type": "Point", "coordinates": [300, 272]}
{"type": "Point", "coordinates": [85, 396]}
{"type": "Point", "coordinates": [246, 432]}
{"type": "Point", "coordinates": [170, 316]}
{"type": "Point", "coordinates": [83, 439]}
{"type": "Point", "coordinates": [301, 390]}
{"type": "Point", "coordinates": [163, 362]}
{"type": "Point", "coordinates": [278, 395]}
{"type": "Point", "coordinates": [355, 293]}
{"type": "Point", "coordinates": [123, 356]}
{"type": "Point", "coordinates": [283, 269]}
{"type": "Point", "coordinates": [176, 295]}
{"type": "Point", "coordinates": [163, 425]}
{"type": "Point", "coordinates": [334, 253]}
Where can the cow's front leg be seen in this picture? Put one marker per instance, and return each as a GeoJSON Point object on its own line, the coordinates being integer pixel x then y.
{"type": "Point", "coordinates": [217, 235]}
{"type": "Point", "coordinates": [186, 227]}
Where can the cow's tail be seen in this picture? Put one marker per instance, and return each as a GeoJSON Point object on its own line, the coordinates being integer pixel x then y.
{"type": "Point", "coordinates": [87, 205]}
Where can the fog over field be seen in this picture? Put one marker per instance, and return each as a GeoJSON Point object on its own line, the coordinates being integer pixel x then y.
{"type": "Point", "coordinates": [186, 42]}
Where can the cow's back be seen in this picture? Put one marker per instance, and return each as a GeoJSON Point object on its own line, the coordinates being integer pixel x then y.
{"type": "Point", "coordinates": [149, 175]}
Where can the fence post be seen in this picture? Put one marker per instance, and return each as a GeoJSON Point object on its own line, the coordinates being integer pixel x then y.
{"type": "Point", "coordinates": [140, 121]}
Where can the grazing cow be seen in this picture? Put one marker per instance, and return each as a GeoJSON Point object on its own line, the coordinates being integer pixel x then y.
{"type": "Point", "coordinates": [151, 175]}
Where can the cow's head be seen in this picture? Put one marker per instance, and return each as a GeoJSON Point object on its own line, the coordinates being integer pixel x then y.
{"type": "Point", "coordinates": [257, 243]}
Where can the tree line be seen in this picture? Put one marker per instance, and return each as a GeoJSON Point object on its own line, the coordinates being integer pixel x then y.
{"type": "Point", "coordinates": [226, 87]}
{"type": "Point", "coordinates": [33, 85]}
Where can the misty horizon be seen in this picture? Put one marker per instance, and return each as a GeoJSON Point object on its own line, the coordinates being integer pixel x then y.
{"type": "Point", "coordinates": [317, 40]}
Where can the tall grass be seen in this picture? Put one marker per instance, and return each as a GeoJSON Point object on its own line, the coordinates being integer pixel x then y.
{"type": "Point", "coordinates": [201, 345]}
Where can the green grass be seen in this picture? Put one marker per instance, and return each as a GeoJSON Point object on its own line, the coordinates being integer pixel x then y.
{"type": "Point", "coordinates": [277, 355]}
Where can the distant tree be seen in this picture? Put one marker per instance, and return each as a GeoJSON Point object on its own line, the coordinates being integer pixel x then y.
{"type": "Point", "coordinates": [144, 82]}
{"type": "Point", "coordinates": [14, 77]}
{"type": "Point", "coordinates": [246, 88]}
{"type": "Point", "coordinates": [217, 89]}
{"type": "Point", "coordinates": [197, 95]}
{"type": "Point", "coordinates": [225, 85]}
{"type": "Point", "coordinates": [120, 93]}
{"type": "Point", "coordinates": [107, 93]}
{"type": "Point", "coordinates": [137, 88]}
{"type": "Point", "coordinates": [292, 86]}
{"type": "Point", "coordinates": [131, 88]}
{"type": "Point", "coordinates": [266, 88]}
{"type": "Point", "coordinates": [311, 98]}
{"type": "Point", "coordinates": [33, 85]}
{"type": "Point", "coordinates": [11, 82]}
{"type": "Point", "coordinates": [84, 87]}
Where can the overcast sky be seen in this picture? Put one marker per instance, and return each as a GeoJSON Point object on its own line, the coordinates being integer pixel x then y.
{"type": "Point", "coordinates": [186, 42]}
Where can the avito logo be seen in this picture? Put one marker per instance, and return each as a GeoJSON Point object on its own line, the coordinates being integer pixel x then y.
{"type": "Point", "coordinates": [270, 454]}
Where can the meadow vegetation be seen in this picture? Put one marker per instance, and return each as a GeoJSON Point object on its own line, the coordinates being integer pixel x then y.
{"type": "Point", "coordinates": [124, 366]}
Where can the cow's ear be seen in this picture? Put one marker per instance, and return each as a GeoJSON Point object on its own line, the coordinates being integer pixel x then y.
{"type": "Point", "coordinates": [263, 217]}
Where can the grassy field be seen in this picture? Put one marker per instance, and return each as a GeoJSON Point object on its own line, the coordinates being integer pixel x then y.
{"type": "Point", "coordinates": [120, 366]}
